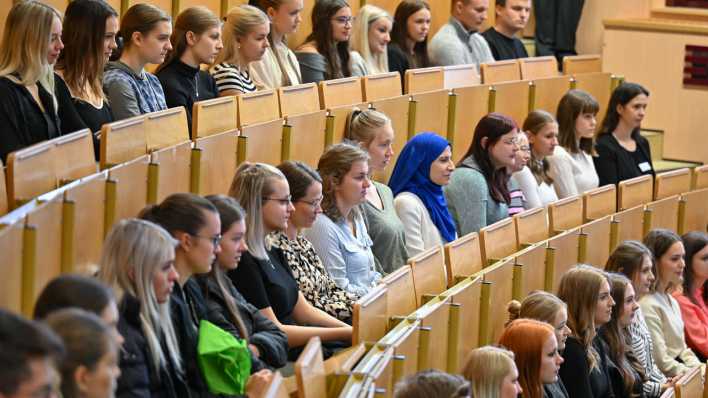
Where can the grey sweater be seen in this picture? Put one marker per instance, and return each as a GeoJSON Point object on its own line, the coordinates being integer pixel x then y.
{"type": "Point", "coordinates": [453, 45]}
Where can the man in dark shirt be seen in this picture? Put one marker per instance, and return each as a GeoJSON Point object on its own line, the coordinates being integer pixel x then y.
{"type": "Point", "coordinates": [511, 18]}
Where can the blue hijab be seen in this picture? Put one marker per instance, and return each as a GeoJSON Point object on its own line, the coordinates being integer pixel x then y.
{"type": "Point", "coordinates": [412, 174]}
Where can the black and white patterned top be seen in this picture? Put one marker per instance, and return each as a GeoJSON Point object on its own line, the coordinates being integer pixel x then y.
{"type": "Point", "coordinates": [641, 346]}
{"type": "Point", "coordinates": [230, 77]}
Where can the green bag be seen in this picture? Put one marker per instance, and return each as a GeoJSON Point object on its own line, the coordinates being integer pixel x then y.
{"type": "Point", "coordinates": [225, 361]}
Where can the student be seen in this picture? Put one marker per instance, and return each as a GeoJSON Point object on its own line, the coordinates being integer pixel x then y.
{"type": "Point", "coordinates": [511, 18]}
{"type": "Point", "coordinates": [370, 38]}
{"type": "Point", "coordinates": [245, 41]}
{"type": "Point", "coordinates": [89, 35]}
{"type": "Point", "coordinates": [279, 66]}
{"type": "Point", "coordinates": [373, 132]}
{"type": "Point", "coordinates": [340, 236]}
{"type": "Point", "coordinates": [571, 164]}
{"type": "Point", "coordinates": [325, 53]}
{"type": "Point", "coordinates": [458, 42]}
{"type": "Point", "coordinates": [90, 368]}
{"type": "Point", "coordinates": [535, 180]}
{"type": "Point", "coordinates": [634, 260]}
{"type": "Point", "coordinates": [196, 40]}
{"type": "Point", "coordinates": [263, 275]}
{"type": "Point", "coordinates": [693, 299]}
{"type": "Point", "coordinates": [585, 372]}
{"type": "Point", "coordinates": [492, 372]}
{"type": "Point", "coordinates": [266, 341]}
{"type": "Point", "coordinates": [432, 383]}
{"type": "Point", "coordinates": [422, 170]}
{"type": "Point", "coordinates": [622, 152]}
{"type": "Point", "coordinates": [626, 373]}
{"type": "Point", "coordinates": [145, 33]}
{"type": "Point", "coordinates": [76, 291]}
{"type": "Point", "coordinates": [661, 311]}
{"type": "Point", "coordinates": [536, 354]}
{"type": "Point", "coordinates": [478, 193]}
{"type": "Point", "coordinates": [30, 45]}
{"type": "Point", "coordinates": [517, 199]}
{"type": "Point", "coordinates": [408, 48]}
{"type": "Point", "coordinates": [312, 277]}
{"type": "Point", "coordinates": [30, 352]}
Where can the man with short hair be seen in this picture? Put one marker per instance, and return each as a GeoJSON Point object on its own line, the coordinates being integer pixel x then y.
{"type": "Point", "coordinates": [511, 18]}
{"type": "Point", "coordinates": [28, 355]}
{"type": "Point", "coordinates": [458, 42]}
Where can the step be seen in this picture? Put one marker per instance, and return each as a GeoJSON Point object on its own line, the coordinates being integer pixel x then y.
{"type": "Point", "coordinates": [656, 142]}
{"type": "Point", "coordinates": [662, 165]}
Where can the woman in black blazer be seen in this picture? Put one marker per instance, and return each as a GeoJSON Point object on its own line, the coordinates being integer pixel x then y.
{"type": "Point", "coordinates": [622, 153]}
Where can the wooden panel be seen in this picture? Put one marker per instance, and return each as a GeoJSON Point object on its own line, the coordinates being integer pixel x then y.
{"type": "Point", "coordinates": [573, 65]}
{"type": "Point", "coordinates": [381, 86]}
{"type": "Point", "coordinates": [378, 364]}
{"type": "Point", "coordinates": [498, 240]}
{"type": "Point", "coordinates": [89, 207]}
{"type": "Point", "coordinates": [174, 170]}
{"type": "Point", "coordinates": [565, 214]}
{"type": "Point", "coordinates": [46, 220]}
{"type": "Point", "coordinates": [11, 267]}
{"type": "Point", "coordinates": [310, 371]}
{"type": "Point", "coordinates": [3, 191]}
{"type": "Point", "coordinates": [166, 128]}
{"type": "Point", "coordinates": [304, 137]}
{"type": "Point", "coordinates": [123, 141]}
{"type": "Point", "coordinates": [401, 292]}
{"type": "Point", "coordinates": [548, 92]}
{"type": "Point", "coordinates": [596, 247]}
{"type": "Point", "coordinates": [467, 294]}
{"type": "Point", "coordinates": [695, 216]}
{"type": "Point", "coordinates": [131, 183]}
{"type": "Point", "coordinates": [631, 224]}
{"type": "Point", "coordinates": [30, 173]}
{"type": "Point", "coordinates": [690, 385]}
{"type": "Point", "coordinates": [340, 92]}
{"type": "Point", "coordinates": [261, 142]}
{"type": "Point", "coordinates": [430, 113]}
{"type": "Point", "coordinates": [663, 214]}
{"type": "Point", "coordinates": [217, 162]}
{"type": "Point", "coordinates": [404, 338]}
{"type": "Point", "coordinates": [599, 85]}
{"type": "Point", "coordinates": [501, 276]}
{"type": "Point", "coordinates": [512, 99]}
{"type": "Point", "coordinates": [164, 5]}
{"type": "Point", "coordinates": [456, 76]}
{"type": "Point", "coordinates": [213, 5]}
{"type": "Point", "coordinates": [214, 116]}
{"type": "Point", "coordinates": [533, 268]}
{"type": "Point", "coordinates": [257, 107]}
{"type": "Point", "coordinates": [599, 202]}
{"type": "Point", "coordinates": [369, 320]}
{"type": "Point", "coordinates": [74, 156]}
{"type": "Point", "coordinates": [699, 177]}
{"type": "Point", "coordinates": [672, 183]}
{"type": "Point", "coordinates": [276, 387]}
{"type": "Point", "coordinates": [296, 100]}
{"type": "Point", "coordinates": [471, 104]}
{"type": "Point", "coordinates": [500, 71]}
{"type": "Point", "coordinates": [463, 257]}
{"type": "Point", "coordinates": [634, 192]}
{"type": "Point", "coordinates": [397, 109]}
{"type": "Point", "coordinates": [565, 256]}
{"type": "Point", "coordinates": [435, 315]}
{"type": "Point", "coordinates": [538, 67]}
{"type": "Point", "coordinates": [531, 226]}
{"type": "Point", "coordinates": [429, 273]}
{"type": "Point", "coordinates": [339, 116]}
{"type": "Point", "coordinates": [423, 80]}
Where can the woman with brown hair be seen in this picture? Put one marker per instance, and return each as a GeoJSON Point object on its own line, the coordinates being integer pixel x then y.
{"type": "Point", "coordinates": [408, 48]}
{"type": "Point", "coordinates": [693, 298]}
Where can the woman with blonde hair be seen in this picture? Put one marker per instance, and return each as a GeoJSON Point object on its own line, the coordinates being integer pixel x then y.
{"type": "Point", "coordinates": [370, 38]}
{"type": "Point", "coordinates": [245, 36]}
{"type": "Point", "coordinates": [279, 67]}
{"type": "Point", "coordinates": [492, 372]}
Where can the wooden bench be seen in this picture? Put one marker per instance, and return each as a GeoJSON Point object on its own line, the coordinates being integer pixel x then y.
{"type": "Point", "coordinates": [466, 323]}
{"type": "Point", "coordinates": [214, 116]}
{"type": "Point", "coordinates": [123, 141]}
{"type": "Point", "coordinates": [671, 183]}
{"type": "Point", "coordinates": [561, 255]}
{"type": "Point", "coordinates": [599, 202]}
{"type": "Point", "coordinates": [378, 365]}
{"type": "Point", "coordinates": [546, 93]}
{"type": "Point", "coordinates": [405, 340]}
{"type": "Point", "coordinates": [369, 320]}
{"type": "Point", "coordinates": [578, 64]}
{"type": "Point", "coordinates": [500, 278]}
{"type": "Point", "coordinates": [511, 99]}
{"type": "Point", "coordinates": [457, 76]}
{"type": "Point", "coordinates": [498, 241]}
{"type": "Point", "coordinates": [261, 142]}
{"type": "Point", "coordinates": [338, 97]}
{"type": "Point", "coordinates": [699, 177]}
{"type": "Point", "coordinates": [381, 86]}
{"type": "Point", "coordinates": [531, 226]}
{"type": "Point", "coordinates": [214, 161]}
{"type": "Point", "coordinates": [629, 225]}
{"type": "Point", "coordinates": [599, 85]}
{"type": "Point", "coordinates": [434, 320]}
{"type": "Point", "coordinates": [530, 270]}
{"type": "Point", "coordinates": [538, 67]}
{"type": "Point", "coordinates": [565, 214]}
{"type": "Point", "coordinates": [310, 371]}
{"type": "Point", "coordinates": [500, 71]}
{"type": "Point", "coordinates": [693, 211]}
{"type": "Point", "coordinates": [11, 247]}
{"type": "Point", "coordinates": [396, 109]}
{"type": "Point", "coordinates": [304, 137]}
{"type": "Point", "coordinates": [297, 100]}
{"type": "Point", "coordinates": [423, 80]}
{"type": "Point", "coordinates": [463, 257]}
{"type": "Point", "coordinates": [634, 192]}
{"type": "Point", "coordinates": [595, 242]}
{"type": "Point", "coordinates": [30, 173]}
{"type": "Point", "coordinates": [428, 112]}
{"type": "Point", "coordinates": [429, 273]}
{"type": "Point", "coordinates": [257, 107]}
{"type": "Point", "coordinates": [401, 298]}
{"type": "Point", "coordinates": [74, 156]}
{"type": "Point", "coordinates": [468, 105]}
{"type": "Point", "coordinates": [126, 190]}
{"type": "Point", "coordinates": [663, 213]}
{"type": "Point", "coordinates": [83, 218]}
{"type": "Point", "coordinates": [690, 385]}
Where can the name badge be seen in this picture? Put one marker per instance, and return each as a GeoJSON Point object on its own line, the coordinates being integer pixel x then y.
{"type": "Point", "coordinates": [644, 167]}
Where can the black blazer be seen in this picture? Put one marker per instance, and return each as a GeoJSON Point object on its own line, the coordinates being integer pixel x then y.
{"type": "Point", "coordinates": [614, 164]}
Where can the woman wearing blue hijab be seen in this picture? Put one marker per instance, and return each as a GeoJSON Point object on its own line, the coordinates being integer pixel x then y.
{"type": "Point", "coordinates": [422, 169]}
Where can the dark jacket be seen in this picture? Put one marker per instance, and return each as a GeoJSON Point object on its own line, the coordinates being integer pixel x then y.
{"type": "Point", "coordinates": [555, 390]}
{"type": "Point", "coordinates": [579, 379]}
{"type": "Point", "coordinates": [262, 332]}
{"type": "Point", "coordinates": [614, 163]}
{"type": "Point", "coordinates": [397, 61]}
{"type": "Point", "coordinates": [139, 378]}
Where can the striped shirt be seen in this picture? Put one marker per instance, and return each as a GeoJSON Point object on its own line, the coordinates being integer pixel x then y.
{"type": "Point", "coordinates": [230, 77]}
{"type": "Point", "coordinates": [641, 346]}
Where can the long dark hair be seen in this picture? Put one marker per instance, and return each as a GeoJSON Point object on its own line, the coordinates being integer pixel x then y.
{"type": "Point", "coordinates": [194, 19]}
{"type": "Point", "coordinates": [399, 33]}
{"type": "Point", "coordinates": [82, 61]}
{"type": "Point", "coordinates": [336, 54]}
{"type": "Point", "coordinates": [142, 18]}
{"type": "Point", "coordinates": [659, 241]}
{"type": "Point", "coordinates": [71, 290]}
{"type": "Point", "coordinates": [534, 123]}
{"type": "Point", "coordinates": [623, 95]}
{"type": "Point", "coordinates": [574, 104]}
{"type": "Point", "coordinates": [491, 126]}
{"type": "Point", "coordinates": [179, 212]}
{"type": "Point", "coordinates": [693, 242]}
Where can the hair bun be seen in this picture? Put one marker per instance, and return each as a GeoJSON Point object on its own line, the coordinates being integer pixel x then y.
{"type": "Point", "coordinates": [514, 309]}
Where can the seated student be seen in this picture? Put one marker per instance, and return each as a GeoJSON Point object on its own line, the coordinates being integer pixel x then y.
{"type": "Point", "coordinates": [408, 48]}
{"type": "Point", "coordinates": [30, 45]}
{"type": "Point", "coordinates": [325, 53]}
{"type": "Point", "coordinates": [422, 170]}
{"type": "Point", "coordinates": [661, 311]}
{"type": "Point", "coordinates": [458, 42]}
{"type": "Point", "coordinates": [634, 260]}
{"type": "Point", "coordinates": [90, 368]}
{"type": "Point", "coordinates": [279, 66]}
{"type": "Point", "coordinates": [245, 38]}
{"type": "Point", "coordinates": [478, 194]}
{"type": "Point", "coordinates": [626, 373]}
{"type": "Point", "coordinates": [622, 152]}
{"type": "Point", "coordinates": [370, 38]}
{"type": "Point", "coordinates": [517, 199]}
{"type": "Point", "coordinates": [432, 383]}
{"type": "Point", "coordinates": [340, 236]}
{"type": "Point", "coordinates": [76, 291]}
{"type": "Point", "coordinates": [30, 353]}
{"type": "Point", "coordinates": [90, 28]}
{"type": "Point", "coordinates": [492, 372]}
{"type": "Point", "coordinates": [693, 299]}
{"type": "Point", "coordinates": [145, 33]}
{"type": "Point", "coordinates": [313, 280]}
{"type": "Point", "coordinates": [536, 354]}
{"type": "Point", "coordinates": [535, 181]}
{"type": "Point", "coordinates": [373, 132]}
{"type": "Point", "coordinates": [545, 307]}
{"type": "Point", "coordinates": [511, 18]}
{"type": "Point", "coordinates": [263, 275]}
{"type": "Point", "coordinates": [585, 372]}
{"type": "Point", "coordinates": [571, 165]}
{"type": "Point", "coordinates": [266, 341]}
{"type": "Point", "coordinates": [196, 40]}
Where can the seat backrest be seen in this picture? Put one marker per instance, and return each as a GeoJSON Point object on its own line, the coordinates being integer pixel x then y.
{"type": "Point", "coordinates": [340, 92]}
{"type": "Point", "coordinates": [213, 116]}
{"type": "Point", "coordinates": [378, 364]}
{"type": "Point", "coordinates": [304, 137]}
{"type": "Point", "coordinates": [531, 226]}
{"type": "Point", "coordinates": [630, 224]}
{"type": "Point", "coordinates": [405, 341]}
{"type": "Point", "coordinates": [595, 242]}
{"type": "Point", "coordinates": [538, 67]}
{"type": "Point", "coordinates": [296, 100]}
{"type": "Point", "coordinates": [463, 257]}
{"type": "Point", "coordinates": [257, 107]}
{"type": "Point", "coordinates": [429, 112]}
{"type": "Point", "coordinates": [423, 80]}
{"type": "Point", "coordinates": [500, 71]}
{"type": "Point", "coordinates": [547, 92]}
{"type": "Point", "coordinates": [471, 103]}
{"type": "Point", "coordinates": [310, 371]}
{"type": "Point", "coordinates": [511, 99]}
{"type": "Point", "coordinates": [369, 321]}
{"type": "Point", "coordinates": [690, 384]}
{"type": "Point", "coordinates": [261, 142]}
{"type": "Point", "coordinates": [501, 278]}
{"type": "Point", "coordinates": [127, 190]}
{"type": "Point", "coordinates": [498, 240]}
{"type": "Point", "coordinates": [74, 156]}
{"type": "Point", "coordinates": [577, 64]}
{"type": "Point", "coordinates": [30, 173]}
{"type": "Point", "coordinates": [435, 319]}
{"type": "Point", "coordinates": [456, 76]}
{"type": "Point", "coordinates": [565, 214]}
{"type": "Point", "coordinates": [123, 141]}
{"type": "Point", "coordinates": [699, 177]}
{"type": "Point", "coordinates": [11, 293]}
{"type": "Point", "coordinates": [634, 192]}
{"type": "Point", "coordinates": [276, 387]}
{"type": "Point", "coordinates": [401, 292]}
{"type": "Point", "coordinates": [429, 273]}
{"type": "Point", "coordinates": [172, 172]}
{"type": "Point", "coordinates": [565, 256]}
{"type": "Point", "coordinates": [532, 261]}
{"type": "Point", "coordinates": [166, 128]}
{"type": "Point", "coordinates": [671, 183]}
{"type": "Point", "coordinates": [599, 202]}
{"type": "Point", "coordinates": [662, 213]}
{"type": "Point", "coordinates": [3, 191]}
{"type": "Point", "coordinates": [466, 294]}
{"type": "Point", "coordinates": [84, 224]}
{"type": "Point", "coordinates": [599, 85]}
{"type": "Point", "coordinates": [381, 86]}
{"type": "Point", "coordinates": [396, 108]}
{"type": "Point", "coordinates": [695, 214]}
{"type": "Point", "coordinates": [216, 163]}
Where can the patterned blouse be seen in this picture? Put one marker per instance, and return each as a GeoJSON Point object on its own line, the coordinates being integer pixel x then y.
{"type": "Point", "coordinates": [641, 346]}
{"type": "Point", "coordinates": [312, 278]}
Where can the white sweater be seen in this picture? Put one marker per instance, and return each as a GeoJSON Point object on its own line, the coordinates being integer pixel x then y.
{"type": "Point", "coordinates": [573, 173]}
{"type": "Point", "coordinates": [537, 195]}
{"type": "Point", "coordinates": [421, 234]}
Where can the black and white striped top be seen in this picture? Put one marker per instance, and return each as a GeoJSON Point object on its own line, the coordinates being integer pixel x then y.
{"type": "Point", "coordinates": [230, 77]}
{"type": "Point", "coordinates": [642, 346]}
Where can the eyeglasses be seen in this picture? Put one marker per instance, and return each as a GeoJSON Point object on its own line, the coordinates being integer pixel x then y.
{"type": "Point", "coordinates": [314, 204]}
{"type": "Point", "coordinates": [283, 201]}
{"type": "Point", "coordinates": [345, 20]}
{"type": "Point", "coordinates": [215, 240]}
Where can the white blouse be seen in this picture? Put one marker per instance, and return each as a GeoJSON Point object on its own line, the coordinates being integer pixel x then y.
{"type": "Point", "coordinates": [537, 195]}
{"type": "Point", "coordinates": [420, 231]}
{"type": "Point", "coordinates": [572, 173]}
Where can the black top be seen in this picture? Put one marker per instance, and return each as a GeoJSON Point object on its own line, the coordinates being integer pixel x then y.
{"type": "Point", "coordinates": [267, 283]}
{"type": "Point", "coordinates": [614, 163]}
{"type": "Point", "coordinates": [555, 390]}
{"type": "Point", "coordinates": [504, 47]}
{"type": "Point", "coordinates": [184, 85]}
{"type": "Point", "coordinates": [580, 381]}
{"type": "Point", "coordinates": [22, 121]}
{"type": "Point", "coordinates": [397, 61]}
